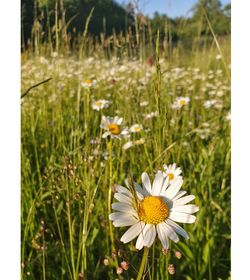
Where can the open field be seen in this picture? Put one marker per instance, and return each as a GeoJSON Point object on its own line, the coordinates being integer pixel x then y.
{"type": "Point", "coordinates": [69, 169]}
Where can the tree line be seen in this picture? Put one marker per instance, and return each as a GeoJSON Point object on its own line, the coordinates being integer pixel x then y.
{"type": "Point", "coordinates": [46, 17]}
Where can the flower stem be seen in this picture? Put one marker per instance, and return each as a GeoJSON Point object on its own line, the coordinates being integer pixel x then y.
{"type": "Point", "coordinates": [143, 263]}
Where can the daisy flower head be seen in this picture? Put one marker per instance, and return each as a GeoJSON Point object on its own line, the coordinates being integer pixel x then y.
{"type": "Point", "coordinates": [172, 172]}
{"type": "Point", "coordinates": [136, 128]}
{"type": "Point", "coordinates": [140, 141]}
{"type": "Point", "coordinates": [153, 210]}
{"type": "Point", "coordinates": [88, 83]}
{"type": "Point", "coordinates": [180, 102]}
{"type": "Point", "coordinates": [113, 127]}
{"type": "Point", "coordinates": [100, 104]}
{"type": "Point", "coordinates": [128, 145]}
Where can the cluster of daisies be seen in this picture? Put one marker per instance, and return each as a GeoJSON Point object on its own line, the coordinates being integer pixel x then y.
{"type": "Point", "coordinates": [113, 128]}
{"type": "Point", "coordinates": [153, 209]}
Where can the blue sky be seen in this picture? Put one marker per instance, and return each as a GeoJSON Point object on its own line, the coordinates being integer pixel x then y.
{"type": "Point", "coordinates": [172, 8]}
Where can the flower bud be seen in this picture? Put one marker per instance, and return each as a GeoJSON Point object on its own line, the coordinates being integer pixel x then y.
{"type": "Point", "coordinates": [178, 254]}
{"type": "Point", "coordinates": [106, 262]}
{"type": "Point", "coordinates": [171, 269]}
{"type": "Point", "coordinates": [119, 270]}
{"type": "Point", "coordinates": [124, 265]}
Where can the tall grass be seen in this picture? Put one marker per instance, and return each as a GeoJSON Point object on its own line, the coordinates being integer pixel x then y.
{"type": "Point", "coordinates": [68, 169]}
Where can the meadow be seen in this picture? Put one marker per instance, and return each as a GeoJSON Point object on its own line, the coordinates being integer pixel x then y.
{"type": "Point", "coordinates": [69, 171]}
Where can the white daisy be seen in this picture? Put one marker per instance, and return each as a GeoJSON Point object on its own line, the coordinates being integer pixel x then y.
{"type": "Point", "coordinates": [172, 172]}
{"type": "Point", "coordinates": [100, 104]}
{"type": "Point", "coordinates": [153, 210]}
{"type": "Point", "coordinates": [144, 103]}
{"type": "Point", "coordinates": [209, 103]}
{"type": "Point", "coordinates": [139, 141]}
{"type": "Point", "coordinates": [128, 145]}
{"type": "Point", "coordinates": [88, 83]}
{"type": "Point", "coordinates": [136, 128]}
{"type": "Point", "coordinates": [113, 127]}
{"type": "Point", "coordinates": [151, 115]}
{"type": "Point", "coordinates": [180, 102]}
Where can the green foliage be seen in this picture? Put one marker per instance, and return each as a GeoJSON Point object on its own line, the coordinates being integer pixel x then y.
{"type": "Point", "coordinates": [66, 162]}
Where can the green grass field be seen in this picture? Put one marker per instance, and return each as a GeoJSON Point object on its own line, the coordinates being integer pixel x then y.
{"type": "Point", "coordinates": [69, 170]}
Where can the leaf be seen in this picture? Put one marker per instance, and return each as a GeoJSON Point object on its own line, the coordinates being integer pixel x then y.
{"type": "Point", "coordinates": [94, 234]}
{"type": "Point", "coordinates": [206, 250]}
{"type": "Point", "coordinates": [187, 252]}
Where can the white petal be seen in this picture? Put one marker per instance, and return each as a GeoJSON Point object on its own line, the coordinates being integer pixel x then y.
{"type": "Point", "coordinates": [157, 184]}
{"type": "Point", "coordinates": [132, 232]}
{"type": "Point", "coordinates": [178, 171]}
{"type": "Point", "coordinates": [162, 236]}
{"type": "Point", "coordinates": [123, 190]}
{"type": "Point", "coordinates": [105, 134]}
{"type": "Point", "coordinates": [123, 207]}
{"type": "Point", "coordinates": [125, 131]}
{"type": "Point", "coordinates": [146, 182]}
{"type": "Point", "coordinates": [123, 198]}
{"type": "Point", "coordinates": [174, 188]}
{"type": "Point", "coordinates": [149, 235]}
{"type": "Point", "coordinates": [177, 228]}
{"type": "Point", "coordinates": [139, 191]}
{"type": "Point", "coordinates": [139, 242]}
{"type": "Point", "coordinates": [119, 121]}
{"type": "Point", "coordinates": [119, 215]}
{"type": "Point", "coordinates": [179, 194]}
{"type": "Point", "coordinates": [169, 231]}
{"type": "Point", "coordinates": [183, 200]}
{"type": "Point", "coordinates": [189, 209]}
{"type": "Point", "coordinates": [182, 217]}
{"type": "Point", "coordinates": [124, 222]}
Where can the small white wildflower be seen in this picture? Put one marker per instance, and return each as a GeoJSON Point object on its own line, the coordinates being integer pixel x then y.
{"type": "Point", "coordinates": [127, 145]}
{"type": "Point", "coordinates": [135, 128]}
{"type": "Point", "coordinates": [88, 83]}
{"type": "Point", "coordinates": [180, 102]}
{"type": "Point", "coordinates": [100, 104]}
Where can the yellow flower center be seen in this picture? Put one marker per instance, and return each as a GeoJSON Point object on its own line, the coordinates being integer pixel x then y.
{"type": "Point", "coordinates": [153, 210]}
{"type": "Point", "coordinates": [98, 103]}
{"type": "Point", "coordinates": [182, 102]}
{"type": "Point", "coordinates": [88, 81]}
{"type": "Point", "coordinates": [137, 128]}
{"type": "Point", "coordinates": [170, 176]}
{"type": "Point", "coordinates": [114, 128]}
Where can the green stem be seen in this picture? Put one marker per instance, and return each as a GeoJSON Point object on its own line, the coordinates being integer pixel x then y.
{"type": "Point", "coordinates": [143, 263]}
{"type": "Point", "coordinates": [110, 192]}
{"type": "Point", "coordinates": [109, 202]}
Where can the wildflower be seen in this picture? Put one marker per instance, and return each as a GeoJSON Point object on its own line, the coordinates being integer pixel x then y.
{"type": "Point", "coordinates": [119, 270]}
{"type": "Point", "coordinates": [180, 102]}
{"type": "Point", "coordinates": [113, 127]}
{"type": "Point", "coordinates": [139, 141]}
{"type": "Point", "coordinates": [128, 145]}
{"type": "Point", "coordinates": [106, 262]}
{"type": "Point", "coordinates": [209, 103]}
{"type": "Point", "coordinates": [218, 57]}
{"type": "Point", "coordinates": [144, 103]}
{"type": "Point", "coordinates": [151, 115]}
{"type": "Point", "coordinates": [178, 254]}
{"type": "Point", "coordinates": [153, 210]}
{"type": "Point", "coordinates": [171, 269]}
{"type": "Point", "coordinates": [100, 104]}
{"type": "Point", "coordinates": [88, 83]}
{"type": "Point", "coordinates": [135, 128]}
{"type": "Point", "coordinates": [172, 172]}
{"type": "Point", "coordinates": [228, 116]}
{"type": "Point", "coordinates": [124, 265]}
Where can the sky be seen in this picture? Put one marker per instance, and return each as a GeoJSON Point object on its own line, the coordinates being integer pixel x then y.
{"type": "Point", "coordinates": [173, 8]}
